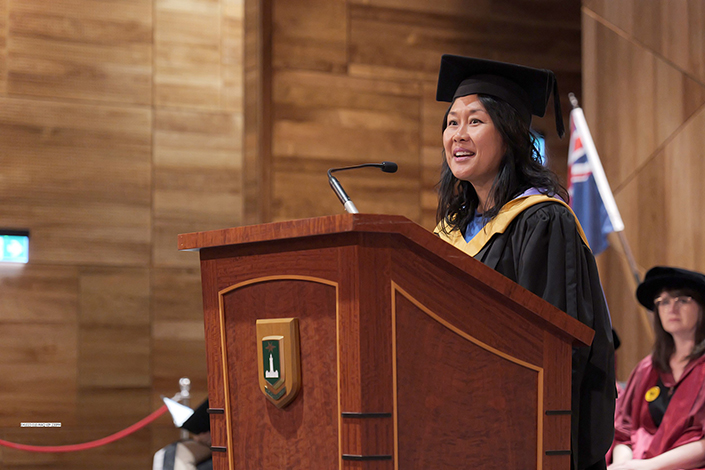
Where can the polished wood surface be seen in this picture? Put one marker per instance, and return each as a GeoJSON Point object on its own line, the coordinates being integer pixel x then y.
{"type": "Point", "coordinates": [69, 50]}
{"type": "Point", "coordinates": [441, 376]}
{"type": "Point", "coordinates": [121, 125]}
{"type": "Point", "coordinates": [384, 308]}
{"type": "Point", "coordinates": [220, 242]}
{"type": "Point", "coordinates": [644, 100]}
{"type": "Point", "coordinates": [120, 122]}
{"type": "Point", "coordinates": [347, 82]}
{"type": "Point", "coordinates": [257, 112]}
{"type": "Point", "coordinates": [263, 435]}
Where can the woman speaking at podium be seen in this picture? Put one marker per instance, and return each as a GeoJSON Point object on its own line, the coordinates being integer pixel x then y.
{"type": "Point", "coordinates": [499, 204]}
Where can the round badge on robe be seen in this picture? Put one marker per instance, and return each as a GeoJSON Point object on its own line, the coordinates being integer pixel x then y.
{"type": "Point", "coordinates": [652, 394]}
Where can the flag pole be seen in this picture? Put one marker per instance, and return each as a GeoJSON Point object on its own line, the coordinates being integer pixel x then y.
{"type": "Point", "coordinates": [602, 184]}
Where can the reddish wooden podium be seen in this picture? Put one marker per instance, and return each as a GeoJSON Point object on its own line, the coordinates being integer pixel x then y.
{"type": "Point", "coordinates": [413, 355]}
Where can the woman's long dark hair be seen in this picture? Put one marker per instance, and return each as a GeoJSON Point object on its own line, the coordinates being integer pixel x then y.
{"type": "Point", "coordinates": [664, 347]}
{"type": "Point", "coordinates": [519, 170]}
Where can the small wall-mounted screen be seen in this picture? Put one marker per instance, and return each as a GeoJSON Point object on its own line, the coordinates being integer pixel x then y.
{"type": "Point", "coordinates": [14, 246]}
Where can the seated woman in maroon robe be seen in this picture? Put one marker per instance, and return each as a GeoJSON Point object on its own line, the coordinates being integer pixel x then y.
{"type": "Point", "coordinates": [660, 418]}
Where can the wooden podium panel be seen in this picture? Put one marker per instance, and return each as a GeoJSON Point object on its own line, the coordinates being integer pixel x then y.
{"type": "Point", "coordinates": [444, 374]}
{"type": "Point", "coordinates": [413, 355]}
{"type": "Point", "coordinates": [262, 435]}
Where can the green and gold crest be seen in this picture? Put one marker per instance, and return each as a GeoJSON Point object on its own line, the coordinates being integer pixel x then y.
{"type": "Point", "coordinates": [279, 359]}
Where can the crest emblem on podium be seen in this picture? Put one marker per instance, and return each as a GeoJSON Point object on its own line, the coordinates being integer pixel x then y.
{"type": "Point", "coordinates": [279, 359]}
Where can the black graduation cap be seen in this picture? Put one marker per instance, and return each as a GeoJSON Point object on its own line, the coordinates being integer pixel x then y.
{"type": "Point", "coordinates": [526, 89]}
{"type": "Point", "coordinates": [666, 277]}
{"type": "Point", "coordinates": [199, 421]}
{"type": "Point", "coordinates": [195, 421]}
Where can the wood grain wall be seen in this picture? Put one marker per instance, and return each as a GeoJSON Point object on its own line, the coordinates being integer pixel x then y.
{"type": "Point", "coordinates": [644, 100]}
{"type": "Point", "coordinates": [353, 81]}
{"type": "Point", "coordinates": [120, 127]}
{"type": "Point", "coordinates": [124, 123]}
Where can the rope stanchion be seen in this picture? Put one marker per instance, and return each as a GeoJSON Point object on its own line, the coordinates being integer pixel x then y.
{"type": "Point", "coordinates": [89, 445]}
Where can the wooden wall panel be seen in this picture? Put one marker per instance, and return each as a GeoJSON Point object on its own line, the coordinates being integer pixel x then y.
{"type": "Point", "coordinates": [619, 13]}
{"type": "Point", "coordinates": [678, 97]}
{"type": "Point", "coordinates": [81, 50]}
{"type": "Point", "coordinates": [673, 30]}
{"type": "Point", "coordinates": [631, 93]}
{"type": "Point", "coordinates": [480, 8]}
{"type": "Point", "coordinates": [431, 152]}
{"type": "Point", "coordinates": [34, 359]}
{"type": "Point", "coordinates": [323, 121]}
{"type": "Point", "coordinates": [176, 294]}
{"type": "Point", "coordinates": [114, 357]}
{"type": "Point", "coordinates": [310, 34]}
{"type": "Point", "coordinates": [3, 46]}
{"type": "Point", "coordinates": [257, 63]}
{"type": "Point", "coordinates": [646, 109]}
{"type": "Point", "coordinates": [130, 452]}
{"type": "Point", "coordinates": [177, 329]}
{"type": "Point", "coordinates": [196, 178]}
{"type": "Point", "coordinates": [657, 98]}
{"type": "Point", "coordinates": [683, 154]}
{"type": "Point", "coordinates": [120, 127]}
{"type": "Point", "coordinates": [116, 408]}
{"type": "Point", "coordinates": [39, 294]}
{"type": "Point", "coordinates": [188, 53]}
{"type": "Point", "coordinates": [649, 186]}
{"type": "Point", "coordinates": [419, 38]}
{"type": "Point", "coordinates": [232, 51]}
{"type": "Point", "coordinates": [114, 297]}
{"type": "Point", "coordinates": [179, 351]}
{"type": "Point", "coordinates": [327, 118]}
{"type": "Point", "coordinates": [114, 333]}
{"type": "Point", "coordinates": [77, 175]}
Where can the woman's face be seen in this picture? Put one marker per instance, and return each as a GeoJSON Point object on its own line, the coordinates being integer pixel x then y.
{"type": "Point", "coordinates": [679, 313]}
{"type": "Point", "coordinates": [473, 145]}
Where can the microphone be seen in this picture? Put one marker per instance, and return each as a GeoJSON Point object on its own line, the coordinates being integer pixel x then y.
{"type": "Point", "coordinates": [387, 167]}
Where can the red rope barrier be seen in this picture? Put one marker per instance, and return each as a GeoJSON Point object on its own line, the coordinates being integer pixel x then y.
{"type": "Point", "coordinates": [89, 445]}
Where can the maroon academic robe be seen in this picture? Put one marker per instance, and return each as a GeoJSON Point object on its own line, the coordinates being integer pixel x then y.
{"type": "Point", "coordinates": [683, 421]}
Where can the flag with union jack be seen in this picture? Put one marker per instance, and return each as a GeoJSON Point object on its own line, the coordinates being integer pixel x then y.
{"type": "Point", "coordinates": [590, 196]}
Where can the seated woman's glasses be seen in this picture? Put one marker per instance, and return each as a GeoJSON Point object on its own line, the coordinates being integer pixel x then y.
{"type": "Point", "coordinates": [665, 301]}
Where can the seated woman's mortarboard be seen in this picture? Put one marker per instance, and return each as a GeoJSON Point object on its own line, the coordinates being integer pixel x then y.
{"type": "Point", "coordinates": [526, 89]}
{"type": "Point", "coordinates": [659, 278]}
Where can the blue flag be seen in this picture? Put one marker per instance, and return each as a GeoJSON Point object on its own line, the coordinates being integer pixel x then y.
{"type": "Point", "coordinates": [585, 199]}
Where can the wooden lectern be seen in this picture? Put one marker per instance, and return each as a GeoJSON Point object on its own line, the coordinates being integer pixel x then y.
{"type": "Point", "coordinates": [413, 355]}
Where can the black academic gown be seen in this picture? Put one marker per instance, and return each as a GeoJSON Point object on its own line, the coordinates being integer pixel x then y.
{"type": "Point", "coordinates": [541, 249]}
